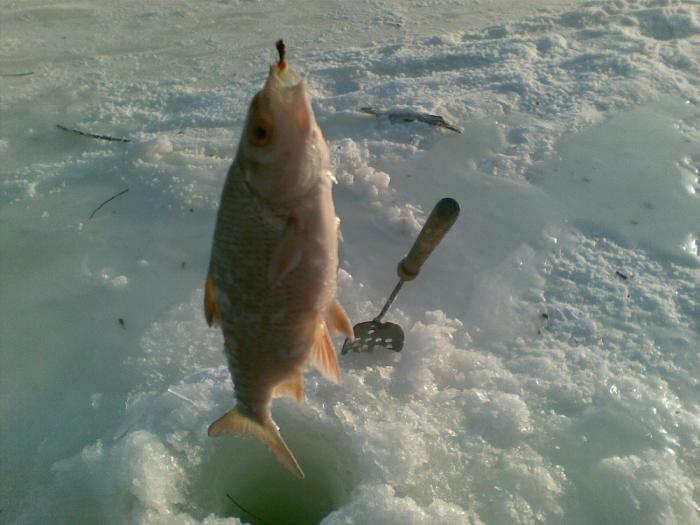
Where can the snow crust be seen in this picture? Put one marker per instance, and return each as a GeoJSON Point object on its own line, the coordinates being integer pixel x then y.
{"type": "Point", "coordinates": [551, 371]}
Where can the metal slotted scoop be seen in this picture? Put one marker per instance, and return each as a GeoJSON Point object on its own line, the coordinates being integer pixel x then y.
{"type": "Point", "coordinates": [374, 333]}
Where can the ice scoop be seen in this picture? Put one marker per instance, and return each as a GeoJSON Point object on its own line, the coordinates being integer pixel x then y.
{"type": "Point", "coordinates": [371, 334]}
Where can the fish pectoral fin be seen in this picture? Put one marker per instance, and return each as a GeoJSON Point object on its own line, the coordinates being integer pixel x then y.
{"type": "Point", "coordinates": [211, 307]}
{"type": "Point", "coordinates": [338, 320]}
{"type": "Point", "coordinates": [323, 354]}
{"type": "Point", "coordinates": [287, 254]}
{"type": "Point", "coordinates": [237, 424]}
{"type": "Point", "coordinates": [292, 387]}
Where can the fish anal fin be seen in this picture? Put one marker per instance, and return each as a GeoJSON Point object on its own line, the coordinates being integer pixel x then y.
{"type": "Point", "coordinates": [323, 354]}
{"type": "Point", "coordinates": [211, 307]}
{"type": "Point", "coordinates": [292, 387]}
{"type": "Point", "coordinates": [338, 320]}
{"type": "Point", "coordinates": [237, 424]}
{"type": "Point", "coordinates": [287, 255]}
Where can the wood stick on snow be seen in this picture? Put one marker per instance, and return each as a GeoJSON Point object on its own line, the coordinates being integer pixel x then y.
{"type": "Point", "coordinates": [91, 135]}
{"type": "Point", "coordinates": [105, 202]}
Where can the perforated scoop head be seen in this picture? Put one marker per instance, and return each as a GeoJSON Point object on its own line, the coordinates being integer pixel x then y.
{"type": "Point", "coordinates": [372, 334]}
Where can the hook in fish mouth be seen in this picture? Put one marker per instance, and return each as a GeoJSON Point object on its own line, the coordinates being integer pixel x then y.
{"type": "Point", "coordinates": [280, 71]}
{"type": "Point", "coordinates": [282, 76]}
{"type": "Point", "coordinates": [281, 51]}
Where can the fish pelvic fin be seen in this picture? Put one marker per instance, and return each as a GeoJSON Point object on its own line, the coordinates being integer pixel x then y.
{"type": "Point", "coordinates": [323, 354]}
{"type": "Point", "coordinates": [287, 254]}
{"type": "Point", "coordinates": [211, 307]}
{"type": "Point", "coordinates": [292, 387]}
{"type": "Point", "coordinates": [237, 424]}
{"type": "Point", "coordinates": [338, 320]}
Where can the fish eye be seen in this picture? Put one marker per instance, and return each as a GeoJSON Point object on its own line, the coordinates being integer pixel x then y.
{"type": "Point", "coordinates": [260, 134]}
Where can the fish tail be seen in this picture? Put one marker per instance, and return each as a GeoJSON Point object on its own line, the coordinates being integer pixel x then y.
{"type": "Point", "coordinates": [237, 424]}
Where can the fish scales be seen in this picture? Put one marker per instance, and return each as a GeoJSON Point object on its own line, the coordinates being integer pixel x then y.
{"type": "Point", "coordinates": [265, 316]}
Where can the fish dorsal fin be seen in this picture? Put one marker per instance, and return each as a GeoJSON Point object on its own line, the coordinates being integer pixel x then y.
{"type": "Point", "coordinates": [338, 320]}
{"type": "Point", "coordinates": [292, 387]}
{"type": "Point", "coordinates": [211, 307]}
{"type": "Point", "coordinates": [323, 354]}
{"type": "Point", "coordinates": [237, 424]}
{"type": "Point", "coordinates": [287, 254]}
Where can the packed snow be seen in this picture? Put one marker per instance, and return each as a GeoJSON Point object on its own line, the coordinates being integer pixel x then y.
{"type": "Point", "coordinates": [551, 370]}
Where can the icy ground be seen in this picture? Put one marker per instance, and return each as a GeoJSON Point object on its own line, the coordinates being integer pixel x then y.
{"type": "Point", "coordinates": [551, 372]}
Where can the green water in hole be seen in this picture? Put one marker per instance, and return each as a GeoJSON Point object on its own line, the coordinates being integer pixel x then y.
{"type": "Point", "coordinates": [242, 478]}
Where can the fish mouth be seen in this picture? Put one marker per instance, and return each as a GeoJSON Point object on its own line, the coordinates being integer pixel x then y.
{"type": "Point", "coordinates": [286, 91]}
{"type": "Point", "coordinates": [284, 83]}
{"type": "Point", "coordinates": [280, 71]}
{"type": "Point", "coordinates": [285, 75]}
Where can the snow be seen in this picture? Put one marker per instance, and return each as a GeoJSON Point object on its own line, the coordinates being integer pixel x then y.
{"type": "Point", "coordinates": [551, 371]}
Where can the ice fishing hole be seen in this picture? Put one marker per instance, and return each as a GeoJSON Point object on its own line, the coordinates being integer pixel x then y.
{"type": "Point", "coordinates": [270, 495]}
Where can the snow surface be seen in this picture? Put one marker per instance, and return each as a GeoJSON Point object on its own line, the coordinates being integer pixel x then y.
{"type": "Point", "coordinates": [551, 372]}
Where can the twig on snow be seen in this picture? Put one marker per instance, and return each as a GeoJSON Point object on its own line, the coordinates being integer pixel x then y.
{"type": "Point", "coordinates": [91, 135]}
{"type": "Point", "coordinates": [25, 74]}
{"type": "Point", "coordinates": [105, 202]}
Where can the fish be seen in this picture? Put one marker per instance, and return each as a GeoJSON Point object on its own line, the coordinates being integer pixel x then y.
{"type": "Point", "coordinates": [271, 281]}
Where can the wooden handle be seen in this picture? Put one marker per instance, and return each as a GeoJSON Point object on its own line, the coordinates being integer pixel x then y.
{"type": "Point", "coordinates": [439, 222]}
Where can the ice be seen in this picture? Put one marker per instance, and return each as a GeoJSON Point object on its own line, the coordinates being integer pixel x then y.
{"type": "Point", "coordinates": [643, 489]}
{"type": "Point", "coordinates": [651, 153]}
{"type": "Point", "coordinates": [379, 504]}
{"type": "Point", "coordinates": [550, 372]}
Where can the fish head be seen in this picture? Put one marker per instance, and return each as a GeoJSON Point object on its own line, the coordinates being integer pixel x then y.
{"type": "Point", "coordinates": [282, 151]}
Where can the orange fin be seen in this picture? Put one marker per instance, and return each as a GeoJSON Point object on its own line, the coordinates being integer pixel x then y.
{"type": "Point", "coordinates": [323, 354]}
{"type": "Point", "coordinates": [292, 387]}
{"type": "Point", "coordinates": [235, 423]}
{"type": "Point", "coordinates": [287, 255]}
{"type": "Point", "coordinates": [211, 307]}
{"type": "Point", "coordinates": [338, 320]}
